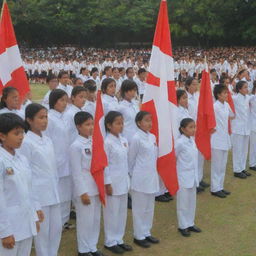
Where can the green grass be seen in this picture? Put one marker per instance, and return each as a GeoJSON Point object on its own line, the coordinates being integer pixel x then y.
{"type": "Point", "coordinates": [38, 91]}
{"type": "Point", "coordinates": [228, 224]}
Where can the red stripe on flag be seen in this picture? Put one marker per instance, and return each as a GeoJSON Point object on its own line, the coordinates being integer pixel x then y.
{"type": "Point", "coordinates": [153, 80]}
{"type": "Point", "coordinates": [172, 92]}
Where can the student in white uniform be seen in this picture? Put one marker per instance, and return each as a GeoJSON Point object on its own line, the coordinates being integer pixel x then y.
{"type": "Point", "coordinates": [116, 148]}
{"type": "Point", "coordinates": [142, 159]}
{"type": "Point", "coordinates": [220, 141]}
{"type": "Point", "coordinates": [241, 130]}
{"type": "Point", "coordinates": [78, 99]}
{"type": "Point", "coordinates": [39, 151]}
{"type": "Point", "coordinates": [86, 195]}
{"type": "Point", "coordinates": [57, 131]}
{"type": "Point", "coordinates": [109, 100]}
{"type": "Point", "coordinates": [64, 80]}
{"type": "Point", "coordinates": [182, 99]}
{"type": "Point", "coordinates": [19, 221]}
{"type": "Point", "coordinates": [90, 104]}
{"type": "Point", "coordinates": [10, 102]}
{"type": "Point", "coordinates": [187, 170]}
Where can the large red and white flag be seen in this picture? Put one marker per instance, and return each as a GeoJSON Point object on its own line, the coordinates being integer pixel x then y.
{"type": "Point", "coordinates": [99, 158]}
{"type": "Point", "coordinates": [160, 100]}
{"type": "Point", "coordinates": [12, 72]}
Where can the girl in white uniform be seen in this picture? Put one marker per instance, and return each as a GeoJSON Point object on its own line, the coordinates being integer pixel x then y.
{"type": "Point", "coordinates": [10, 102]}
{"type": "Point", "coordinates": [109, 100]}
{"type": "Point", "coordinates": [18, 206]}
{"type": "Point", "coordinates": [115, 211]}
{"type": "Point", "coordinates": [52, 82]}
{"type": "Point", "coordinates": [39, 150]}
{"type": "Point", "coordinates": [187, 170]}
{"type": "Point", "coordinates": [129, 108]}
{"type": "Point", "coordinates": [241, 130]}
{"type": "Point", "coordinates": [182, 99]}
{"type": "Point", "coordinates": [86, 195]}
{"type": "Point", "coordinates": [220, 141]}
{"type": "Point", "coordinates": [142, 159]}
{"type": "Point", "coordinates": [90, 104]}
{"type": "Point", "coordinates": [57, 131]}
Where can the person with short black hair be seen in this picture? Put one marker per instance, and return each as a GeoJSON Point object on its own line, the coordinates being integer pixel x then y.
{"type": "Point", "coordinates": [64, 83]}
{"type": "Point", "coordinates": [141, 82]}
{"type": "Point", "coordinates": [90, 104]}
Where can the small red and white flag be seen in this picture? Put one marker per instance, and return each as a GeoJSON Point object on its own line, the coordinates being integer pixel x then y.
{"type": "Point", "coordinates": [160, 100]}
{"type": "Point", "coordinates": [99, 158]}
{"type": "Point", "coordinates": [12, 72]}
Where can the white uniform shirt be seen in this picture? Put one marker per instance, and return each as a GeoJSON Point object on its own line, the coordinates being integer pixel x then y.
{"type": "Point", "coordinates": [241, 123]}
{"type": "Point", "coordinates": [220, 139]}
{"type": "Point", "coordinates": [17, 201]}
{"type": "Point", "coordinates": [90, 107]}
{"type": "Point", "coordinates": [141, 85]}
{"type": "Point", "coordinates": [45, 101]}
{"type": "Point", "coordinates": [66, 88]}
{"type": "Point", "coordinates": [109, 103]}
{"type": "Point", "coordinates": [253, 113]}
{"type": "Point", "coordinates": [142, 159]}
{"type": "Point", "coordinates": [182, 113]}
{"type": "Point", "coordinates": [19, 112]}
{"type": "Point", "coordinates": [40, 153]}
{"type": "Point", "coordinates": [187, 161]}
{"type": "Point", "coordinates": [193, 104]}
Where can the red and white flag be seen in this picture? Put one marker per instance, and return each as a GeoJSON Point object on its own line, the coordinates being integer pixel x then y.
{"type": "Point", "coordinates": [160, 100]}
{"type": "Point", "coordinates": [99, 158]}
{"type": "Point", "coordinates": [12, 72]}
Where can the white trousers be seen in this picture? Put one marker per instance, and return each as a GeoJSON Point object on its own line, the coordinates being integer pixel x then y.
{"type": "Point", "coordinates": [21, 248]}
{"type": "Point", "coordinates": [142, 213]}
{"type": "Point", "coordinates": [252, 154]}
{"type": "Point", "coordinates": [65, 211]}
{"type": "Point", "coordinates": [240, 145]}
{"type": "Point", "coordinates": [47, 241]}
{"type": "Point", "coordinates": [186, 207]}
{"type": "Point", "coordinates": [218, 169]}
{"type": "Point", "coordinates": [162, 188]}
{"type": "Point", "coordinates": [115, 216]}
{"type": "Point", "coordinates": [200, 166]}
{"type": "Point", "coordinates": [88, 224]}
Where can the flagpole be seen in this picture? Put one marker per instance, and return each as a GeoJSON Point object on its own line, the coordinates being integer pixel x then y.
{"type": "Point", "coordinates": [2, 9]}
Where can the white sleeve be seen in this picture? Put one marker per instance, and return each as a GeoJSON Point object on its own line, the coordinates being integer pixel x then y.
{"type": "Point", "coordinates": [132, 153]}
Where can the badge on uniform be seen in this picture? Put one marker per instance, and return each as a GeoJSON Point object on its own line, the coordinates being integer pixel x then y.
{"type": "Point", "coordinates": [9, 171]}
{"type": "Point", "coordinates": [87, 151]}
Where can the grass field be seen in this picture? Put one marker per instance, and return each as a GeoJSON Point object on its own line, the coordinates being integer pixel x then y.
{"type": "Point", "coordinates": [228, 224]}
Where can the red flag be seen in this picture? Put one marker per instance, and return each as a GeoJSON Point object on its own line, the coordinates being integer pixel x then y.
{"type": "Point", "coordinates": [232, 106]}
{"type": "Point", "coordinates": [12, 72]}
{"type": "Point", "coordinates": [205, 117]}
{"type": "Point", "coordinates": [99, 158]}
{"type": "Point", "coordinates": [160, 99]}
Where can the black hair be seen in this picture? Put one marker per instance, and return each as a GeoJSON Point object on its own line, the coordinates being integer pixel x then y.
{"type": "Point", "coordinates": [107, 68]}
{"type": "Point", "coordinates": [82, 69]}
{"type": "Point", "coordinates": [212, 70]}
{"type": "Point", "coordinates": [10, 121]}
{"type": "Point", "coordinates": [115, 68]}
{"type": "Point", "coordinates": [81, 117]}
{"type": "Point", "coordinates": [76, 79]}
{"type": "Point", "coordinates": [5, 94]}
{"type": "Point", "coordinates": [142, 70]}
{"type": "Point", "coordinates": [184, 123]}
{"type": "Point", "coordinates": [62, 73]}
{"type": "Point", "coordinates": [31, 111]}
{"type": "Point", "coordinates": [254, 87]}
{"type": "Point", "coordinates": [121, 69]}
{"type": "Point", "coordinates": [105, 84]}
{"type": "Point", "coordinates": [188, 82]}
{"type": "Point", "coordinates": [54, 96]}
{"type": "Point", "coordinates": [128, 85]}
{"type": "Point", "coordinates": [94, 70]}
{"type": "Point", "coordinates": [50, 77]}
{"type": "Point", "coordinates": [128, 69]}
{"type": "Point", "coordinates": [180, 93]}
{"type": "Point", "coordinates": [223, 78]}
{"type": "Point", "coordinates": [111, 117]}
{"type": "Point", "coordinates": [90, 85]}
{"type": "Point", "coordinates": [140, 115]}
{"type": "Point", "coordinates": [76, 90]}
{"type": "Point", "coordinates": [218, 89]}
{"type": "Point", "coordinates": [240, 85]}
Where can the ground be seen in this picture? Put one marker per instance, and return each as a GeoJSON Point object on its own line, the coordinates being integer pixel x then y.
{"type": "Point", "coordinates": [228, 224]}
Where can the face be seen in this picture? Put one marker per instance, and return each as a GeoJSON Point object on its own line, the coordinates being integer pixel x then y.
{"type": "Point", "coordinates": [91, 96]}
{"type": "Point", "coordinates": [109, 72]}
{"type": "Point", "coordinates": [190, 129]}
{"type": "Point", "coordinates": [95, 74]}
{"type": "Point", "coordinates": [64, 79]}
{"type": "Point", "coordinates": [130, 73]}
{"type": "Point", "coordinates": [223, 96]}
{"type": "Point", "coordinates": [13, 138]}
{"type": "Point", "coordinates": [53, 84]}
{"type": "Point", "coordinates": [85, 72]}
{"type": "Point", "coordinates": [39, 122]}
{"type": "Point", "coordinates": [79, 82]}
{"type": "Point", "coordinates": [61, 104]}
{"type": "Point", "coordinates": [117, 126]}
{"type": "Point", "coordinates": [86, 128]}
{"type": "Point", "coordinates": [111, 89]}
{"type": "Point", "coordinates": [146, 123]}
{"type": "Point", "coordinates": [244, 89]}
{"type": "Point", "coordinates": [12, 100]}
{"type": "Point", "coordinates": [130, 95]}
{"type": "Point", "coordinates": [79, 99]}
{"type": "Point", "coordinates": [193, 87]}
{"type": "Point", "coordinates": [226, 82]}
{"type": "Point", "coordinates": [143, 76]}
{"type": "Point", "coordinates": [183, 101]}
{"type": "Point", "coordinates": [116, 74]}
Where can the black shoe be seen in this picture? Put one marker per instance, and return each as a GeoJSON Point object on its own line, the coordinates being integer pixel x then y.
{"type": "Point", "coordinates": [168, 195]}
{"type": "Point", "coordinates": [142, 243]}
{"type": "Point", "coordinates": [184, 232]}
{"type": "Point", "coordinates": [115, 249]}
{"type": "Point", "coordinates": [246, 173]}
{"type": "Point", "coordinates": [204, 184]}
{"type": "Point", "coordinates": [162, 199]}
{"type": "Point", "coordinates": [126, 247]}
{"type": "Point", "coordinates": [152, 240]}
{"type": "Point", "coordinates": [240, 175]}
{"type": "Point", "coordinates": [195, 229]}
{"type": "Point", "coordinates": [129, 205]}
{"type": "Point", "coordinates": [253, 168]}
{"type": "Point", "coordinates": [226, 192]}
{"type": "Point", "coordinates": [73, 215]}
{"type": "Point", "coordinates": [84, 254]}
{"type": "Point", "coordinates": [219, 194]}
{"type": "Point", "coordinates": [98, 253]}
{"type": "Point", "coordinates": [199, 189]}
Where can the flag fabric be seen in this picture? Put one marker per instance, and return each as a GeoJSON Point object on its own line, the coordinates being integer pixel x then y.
{"type": "Point", "coordinates": [12, 72]}
{"type": "Point", "coordinates": [205, 117]}
{"type": "Point", "coordinates": [232, 106]}
{"type": "Point", "coordinates": [160, 100]}
{"type": "Point", "coordinates": [99, 158]}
